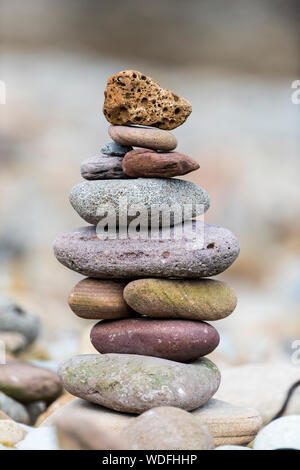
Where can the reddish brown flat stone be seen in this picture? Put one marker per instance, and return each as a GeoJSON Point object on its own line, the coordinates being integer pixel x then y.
{"type": "Point", "coordinates": [176, 340]}
{"type": "Point", "coordinates": [142, 163]}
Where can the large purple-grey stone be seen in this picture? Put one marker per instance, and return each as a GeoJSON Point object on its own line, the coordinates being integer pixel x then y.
{"type": "Point", "coordinates": [206, 251]}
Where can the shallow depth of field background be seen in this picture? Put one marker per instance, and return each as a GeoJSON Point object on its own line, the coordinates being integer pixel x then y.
{"type": "Point", "coordinates": [235, 62]}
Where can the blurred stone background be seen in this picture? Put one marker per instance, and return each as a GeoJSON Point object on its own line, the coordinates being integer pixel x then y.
{"type": "Point", "coordinates": [235, 62]}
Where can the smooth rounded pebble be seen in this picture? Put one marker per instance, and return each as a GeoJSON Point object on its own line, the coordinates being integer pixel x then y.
{"type": "Point", "coordinates": [133, 384]}
{"type": "Point", "coordinates": [228, 423]}
{"type": "Point", "coordinates": [176, 340]}
{"type": "Point", "coordinates": [167, 428]}
{"type": "Point", "coordinates": [283, 433]}
{"type": "Point", "coordinates": [134, 98]}
{"type": "Point", "coordinates": [14, 318]}
{"type": "Point", "coordinates": [25, 382]}
{"type": "Point", "coordinates": [14, 409]}
{"type": "Point", "coordinates": [205, 250]}
{"type": "Point", "coordinates": [204, 299]}
{"type": "Point", "coordinates": [125, 199]}
{"type": "Point", "coordinates": [145, 137]}
{"type": "Point", "coordinates": [115, 150]}
{"type": "Point", "coordinates": [102, 167]}
{"type": "Point", "coordinates": [146, 163]}
{"type": "Point", "coordinates": [10, 432]}
{"type": "Point", "coordinates": [99, 299]}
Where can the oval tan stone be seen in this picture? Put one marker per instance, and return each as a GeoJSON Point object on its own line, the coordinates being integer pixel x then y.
{"type": "Point", "coordinates": [134, 98]}
{"type": "Point", "coordinates": [99, 300]}
{"type": "Point", "coordinates": [133, 384]}
{"type": "Point", "coordinates": [167, 428]}
{"type": "Point", "coordinates": [146, 137]}
{"type": "Point", "coordinates": [204, 299]}
{"type": "Point", "coordinates": [141, 163]}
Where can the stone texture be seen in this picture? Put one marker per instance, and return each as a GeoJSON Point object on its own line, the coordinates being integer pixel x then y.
{"type": "Point", "coordinates": [134, 98]}
{"type": "Point", "coordinates": [96, 415]}
{"type": "Point", "coordinates": [147, 163]}
{"type": "Point", "coordinates": [176, 340]}
{"type": "Point", "coordinates": [283, 433]}
{"type": "Point", "coordinates": [115, 150]}
{"type": "Point", "coordinates": [10, 432]}
{"type": "Point", "coordinates": [204, 299]}
{"type": "Point", "coordinates": [81, 251]}
{"type": "Point", "coordinates": [145, 137]}
{"type": "Point", "coordinates": [15, 318]}
{"type": "Point", "coordinates": [80, 431]}
{"type": "Point", "coordinates": [228, 423]}
{"type": "Point", "coordinates": [99, 300]}
{"type": "Point", "coordinates": [142, 194]}
{"type": "Point", "coordinates": [14, 409]}
{"type": "Point", "coordinates": [167, 428]}
{"type": "Point", "coordinates": [133, 384]}
{"type": "Point", "coordinates": [25, 382]}
{"type": "Point", "coordinates": [261, 386]}
{"type": "Point", "coordinates": [102, 167]}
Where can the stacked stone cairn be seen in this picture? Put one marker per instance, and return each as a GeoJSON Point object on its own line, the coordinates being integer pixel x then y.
{"type": "Point", "coordinates": [150, 294]}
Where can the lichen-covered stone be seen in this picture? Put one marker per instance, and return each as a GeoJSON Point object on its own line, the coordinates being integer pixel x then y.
{"type": "Point", "coordinates": [99, 299]}
{"type": "Point", "coordinates": [10, 432]}
{"type": "Point", "coordinates": [142, 194]}
{"type": "Point", "coordinates": [134, 98]}
{"type": "Point", "coordinates": [204, 250]}
{"type": "Point", "coordinates": [102, 167]}
{"type": "Point", "coordinates": [134, 384]}
{"type": "Point", "coordinates": [142, 163]}
{"type": "Point", "coordinates": [167, 428]}
{"type": "Point", "coordinates": [145, 137]}
{"type": "Point", "coordinates": [204, 299]}
{"type": "Point", "coordinates": [26, 383]}
{"type": "Point", "coordinates": [115, 150]}
{"type": "Point", "coordinates": [177, 340]}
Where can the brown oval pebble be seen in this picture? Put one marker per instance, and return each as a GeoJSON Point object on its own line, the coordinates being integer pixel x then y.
{"type": "Point", "coordinates": [176, 340]}
{"type": "Point", "coordinates": [201, 299]}
{"type": "Point", "coordinates": [133, 98]}
{"type": "Point", "coordinates": [99, 300]}
{"type": "Point", "coordinates": [148, 163]}
{"type": "Point", "coordinates": [145, 137]}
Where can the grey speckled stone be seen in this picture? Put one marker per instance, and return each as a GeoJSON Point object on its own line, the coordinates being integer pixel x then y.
{"type": "Point", "coordinates": [142, 193]}
{"type": "Point", "coordinates": [102, 167]}
{"type": "Point", "coordinates": [14, 409]}
{"type": "Point", "coordinates": [115, 150]}
{"type": "Point", "coordinates": [134, 384]}
{"type": "Point", "coordinates": [82, 251]}
{"type": "Point", "coordinates": [14, 318]}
